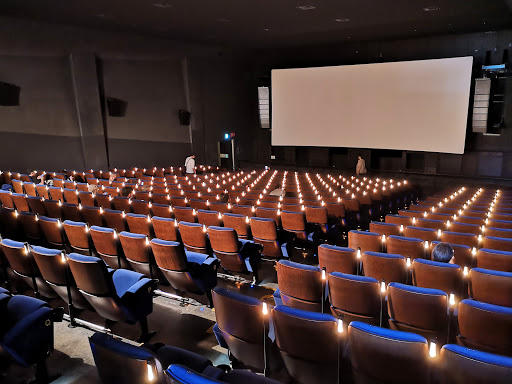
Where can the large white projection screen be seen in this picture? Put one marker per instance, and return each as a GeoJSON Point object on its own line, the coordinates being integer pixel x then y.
{"type": "Point", "coordinates": [408, 105]}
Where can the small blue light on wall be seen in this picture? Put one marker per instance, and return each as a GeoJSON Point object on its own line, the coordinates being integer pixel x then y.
{"type": "Point", "coordinates": [226, 136]}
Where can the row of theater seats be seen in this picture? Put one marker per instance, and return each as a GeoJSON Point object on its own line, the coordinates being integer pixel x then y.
{"type": "Point", "coordinates": [26, 332]}
{"type": "Point", "coordinates": [431, 312]}
{"type": "Point", "coordinates": [357, 204]}
{"type": "Point", "coordinates": [320, 348]}
{"type": "Point", "coordinates": [120, 362]}
{"type": "Point", "coordinates": [82, 282]}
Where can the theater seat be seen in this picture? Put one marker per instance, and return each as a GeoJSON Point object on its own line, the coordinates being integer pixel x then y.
{"type": "Point", "coordinates": [419, 310]}
{"type": "Point", "coordinates": [120, 362]}
{"type": "Point", "coordinates": [385, 267]}
{"type": "Point", "coordinates": [186, 271]}
{"type": "Point", "coordinates": [461, 365]}
{"type": "Point", "coordinates": [493, 287]}
{"type": "Point", "coordinates": [121, 295]}
{"type": "Point", "coordinates": [234, 255]}
{"type": "Point", "coordinates": [245, 334]}
{"type": "Point", "coordinates": [437, 275]}
{"type": "Point", "coordinates": [20, 258]}
{"type": "Point", "coordinates": [486, 327]}
{"type": "Point", "coordinates": [355, 298]}
{"type": "Point", "coordinates": [380, 355]}
{"type": "Point", "coordinates": [26, 336]}
{"type": "Point", "coordinates": [55, 270]}
{"type": "Point", "coordinates": [309, 344]}
{"type": "Point", "coordinates": [337, 259]}
{"type": "Point", "coordinates": [309, 295]}
{"type": "Point", "coordinates": [494, 259]}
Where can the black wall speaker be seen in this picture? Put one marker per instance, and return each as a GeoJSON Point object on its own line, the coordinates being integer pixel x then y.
{"type": "Point", "coordinates": [116, 107]}
{"type": "Point", "coordinates": [9, 94]}
{"type": "Point", "coordinates": [184, 116]}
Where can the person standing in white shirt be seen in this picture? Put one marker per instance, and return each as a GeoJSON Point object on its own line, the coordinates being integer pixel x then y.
{"type": "Point", "coordinates": [190, 164]}
{"type": "Point", "coordinates": [361, 166]}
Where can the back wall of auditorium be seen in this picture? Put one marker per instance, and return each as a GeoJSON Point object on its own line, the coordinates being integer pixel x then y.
{"type": "Point", "coordinates": [66, 74]}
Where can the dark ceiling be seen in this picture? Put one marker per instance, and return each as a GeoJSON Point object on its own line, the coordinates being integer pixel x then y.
{"type": "Point", "coordinates": [260, 23]}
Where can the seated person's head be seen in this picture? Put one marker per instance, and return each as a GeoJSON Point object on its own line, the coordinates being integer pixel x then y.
{"type": "Point", "coordinates": [127, 192]}
{"type": "Point", "coordinates": [442, 252]}
{"type": "Point", "coordinates": [224, 197]}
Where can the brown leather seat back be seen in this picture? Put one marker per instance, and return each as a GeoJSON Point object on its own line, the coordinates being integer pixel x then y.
{"type": "Point", "coordinates": [425, 234]}
{"type": "Point", "coordinates": [208, 218]}
{"type": "Point", "coordinates": [494, 259]}
{"type": "Point", "coordinates": [141, 207]}
{"type": "Point", "coordinates": [78, 236]}
{"type": "Point", "coordinates": [52, 230]}
{"type": "Point", "coordinates": [104, 240]}
{"type": "Point", "coordinates": [385, 266]}
{"type": "Point", "coordinates": [335, 209]}
{"type": "Point", "coordinates": [365, 241]}
{"type": "Point", "coordinates": [135, 247]}
{"type": "Point", "coordinates": [57, 193]}
{"type": "Point", "coordinates": [293, 221]}
{"type": "Point", "coordinates": [238, 223]}
{"type": "Point", "coordinates": [269, 213]}
{"type": "Point", "coordinates": [169, 256]}
{"type": "Point", "coordinates": [115, 219]}
{"type": "Point", "coordinates": [461, 368]}
{"type": "Point", "coordinates": [247, 324]}
{"type": "Point", "coordinates": [120, 203]}
{"type": "Point", "coordinates": [465, 228]}
{"type": "Point", "coordinates": [486, 327]}
{"type": "Point", "coordinates": [92, 216]}
{"type": "Point", "coordinates": [184, 214]}
{"type": "Point", "coordinates": [498, 243]}
{"type": "Point", "coordinates": [423, 308]}
{"type": "Point", "coordinates": [71, 212]}
{"type": "Point", "coordinates": [165, 228]}
{"type": "Point", "coordinates": [86, 198]}
{"type": "Point", "coordinates": [385, 228]}
{"type": "Point", "coordinates": [337, 259]}
{"type": "Point", "coordinates": [30, 224]}
{"type": "Point", "coordinates": [36, 205]}
{"type": "Point", "coordinates": [90, 277]}
{"type": "Point", "coordinates": [20, 258]}
{"type": "Point", "coordinates": [408, 247]}
{"type": "Point", "coordinates": [316, 215]}
{"type": "Point", "coordinates": [399, 220]}
{"type": "Point", "coordinates": [468, 239]}
{"type": "Point", "coordinates": [162, 210]}
{"type": "Point", "coordinates": [42, 191]}
{"type": "Point", "coordinates": [446, 277]}
{"type": "Point", "coordinates": [493, 287]}
{"type": "Point", "coordinates": [20, 201]}
{"type": "Point", "coordinates": [310, 287]}
{"type": "Point", "coordinates": [355, 294]}
{"type": "Point", "coordinates": [310, 339]}
{"type": "Point", "coordinates": [193, 236]}
{"type": "Point", "coordinates": [223, 239]}
{"type": "Point", "coordinates": [263, 229]}
{"type": "Point", "coordinates": [139, 224]}
{"type": "Point", "coordinates": [380, 355]}
{"type": "Point", "coordinates": [71, 196]}
{"type": "Point", "coordinates": [30, 189]}
{"type": "Point", "coordinates": [52, 208]}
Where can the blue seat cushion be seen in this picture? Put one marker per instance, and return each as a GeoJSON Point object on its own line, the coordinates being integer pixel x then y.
{"type": "Point", "coordinates": [436, 263]}
{"type": "Point", "coordinates": [419, 290]}
{"type": "Point", "coordinates": [388, 333]}
{"type": "Point", "coordinates": [488, 307]}
{"type": "Point", "coordinates": [306, 315]}
{"type": "Point", "coordinates": [347, 276]}
{"type": "Point", "coordinates": [485, 357]}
